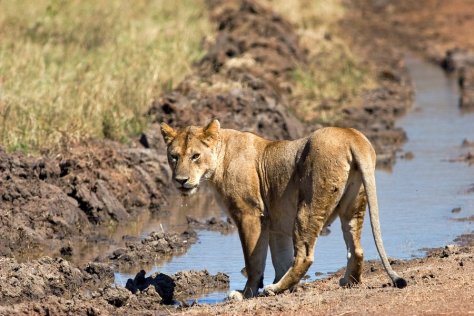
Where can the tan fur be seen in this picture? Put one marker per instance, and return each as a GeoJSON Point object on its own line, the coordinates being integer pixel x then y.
{"type": "Point", "coordinates": [281, 194]}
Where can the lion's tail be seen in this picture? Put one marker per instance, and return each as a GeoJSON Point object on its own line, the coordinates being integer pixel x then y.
{"type": "Point", "coordinates": [367, 167]}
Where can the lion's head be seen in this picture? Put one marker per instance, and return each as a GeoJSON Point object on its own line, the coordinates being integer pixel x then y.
{"type": "Point", "coordinates": [192, 154]}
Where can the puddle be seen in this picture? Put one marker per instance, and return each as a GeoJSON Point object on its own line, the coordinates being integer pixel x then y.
{"type": "Point", "coordinates": [199, 207]}
{"type": "Point", "coordinates": [416, 197]}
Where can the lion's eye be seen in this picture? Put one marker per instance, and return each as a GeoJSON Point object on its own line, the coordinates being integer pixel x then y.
{"type": "Point", "coordinates": [174, 158]}
{"type": "Point", "coordinates": [196, 157]}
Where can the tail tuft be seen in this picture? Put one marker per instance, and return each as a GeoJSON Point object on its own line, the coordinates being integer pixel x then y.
{"type": "Point", "coordinates": [400, 283]}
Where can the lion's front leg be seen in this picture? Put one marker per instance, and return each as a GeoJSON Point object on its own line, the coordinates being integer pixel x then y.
{"type": "Point", "coordinates": [253, 233]}
{"type": "Point", "coordinates": [281, 249]}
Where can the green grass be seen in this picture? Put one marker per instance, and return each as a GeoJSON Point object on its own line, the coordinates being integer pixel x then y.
{"type": "Point", "coordinates": [334, 75]}
{"type": "Point", "coordinates": [75, 69]}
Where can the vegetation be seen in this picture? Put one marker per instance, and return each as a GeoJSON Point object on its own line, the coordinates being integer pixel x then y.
{"type": "Point", "coordinates": [333, 75]}
{"type": "Point", "coordinates": [76, 69]}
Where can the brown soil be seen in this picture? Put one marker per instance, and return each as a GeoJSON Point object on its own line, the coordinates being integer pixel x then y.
{"type": "Point", "coordinates": [437, 284]}
{"type": "Point", "coordinates": [244, 80]}
{"type": "Point", "coordinates": [429, 27]}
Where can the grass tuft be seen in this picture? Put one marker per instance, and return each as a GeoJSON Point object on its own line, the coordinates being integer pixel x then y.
{"type": "Point", "coordinates": [75, 69]}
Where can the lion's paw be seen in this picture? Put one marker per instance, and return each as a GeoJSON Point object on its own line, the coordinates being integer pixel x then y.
{"type": "Point", "coordinates": [343, 282]}
{"type": "Point", "coordinates": [235, 296]}
{"type": "Point", "coordinates": [270, 290]}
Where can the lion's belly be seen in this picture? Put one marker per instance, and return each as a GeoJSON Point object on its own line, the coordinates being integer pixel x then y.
{"type": "Point", "coordinates": [282, 212]}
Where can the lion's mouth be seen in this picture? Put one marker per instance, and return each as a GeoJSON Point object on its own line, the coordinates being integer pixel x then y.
{"type": "Point", "coordinates": [187, 191]}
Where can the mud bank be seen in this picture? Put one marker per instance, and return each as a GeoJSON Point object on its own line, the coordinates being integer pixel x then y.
{"type": "Point", "coordinates": [460, 62]}
{"type": "Point", "coordinates": [55, 286]}
{"type": "Point", "coordinates": [49, 200]}
{"type": "Point", "coordinates": [377, 111]}
{"type": "Point", "coordinates": [157, 246]}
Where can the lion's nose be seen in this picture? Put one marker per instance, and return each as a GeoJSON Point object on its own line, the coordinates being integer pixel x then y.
{"type": "Point", "coordinates": [182, 180]}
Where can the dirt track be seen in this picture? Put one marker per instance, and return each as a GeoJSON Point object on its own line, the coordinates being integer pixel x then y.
{"type": "Point", "coordinates": [245, 81]}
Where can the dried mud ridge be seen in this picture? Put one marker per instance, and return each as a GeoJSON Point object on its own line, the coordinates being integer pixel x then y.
{"type": "Point", "coordinates": [245, 80]}
{"type": "Point", "coordinates": [156, 247]}
{"type": "Point", "coordinates": [159, 247]}
{"type": "Point", "coordinates": [54, 286]}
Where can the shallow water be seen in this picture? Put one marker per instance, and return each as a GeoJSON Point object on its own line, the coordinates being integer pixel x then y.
{"type": "Point", "coordinates": [415, 198]}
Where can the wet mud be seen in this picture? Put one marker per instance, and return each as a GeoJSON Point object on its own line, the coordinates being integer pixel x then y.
{"type": "Point", "coordinates": [181, 285]}
{"type": "Point", "coordinates": [466, 83]}
{"type": "Point", "coordinates": [50, 200]}
{"type": "Point", "coordinates": [54, 286]}
{"type": "Point", "coordinates": [213, 224]}
{"type": "Point", "coordinates": [44, 277]}
{"type": "Point", "coordinates": [244, 78]}
{"type": "Point", "coordinates": [460, 61]}
{"type": "Point", "coordinates": [156, 247]}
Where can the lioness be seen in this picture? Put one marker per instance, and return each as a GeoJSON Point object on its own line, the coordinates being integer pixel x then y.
{"type": "Point", "coordinates": [282, 193]}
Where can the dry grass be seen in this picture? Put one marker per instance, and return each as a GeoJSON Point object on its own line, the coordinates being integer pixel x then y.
{"type": "Point", "coordinates": [76, 69]}
{"type": "Point", "coordinates": [334, 75]}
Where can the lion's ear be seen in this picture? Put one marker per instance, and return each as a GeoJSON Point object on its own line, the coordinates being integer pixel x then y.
{"type": "Point", "coordinates": [168, 133]}
{"type": "Point", "coordinates": [211, 131]}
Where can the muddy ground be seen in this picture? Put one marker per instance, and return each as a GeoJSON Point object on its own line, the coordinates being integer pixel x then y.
{"type": "Point", "coordinates": [48, 203]}
{"type": "Point", "coordinates": [437, 284]}
{"type": "Point", "coordinates": [55, 287]}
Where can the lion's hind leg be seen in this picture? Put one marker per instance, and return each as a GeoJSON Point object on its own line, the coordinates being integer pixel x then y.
{"type": "Point", "coordinates": [352, 211]}
{"type": "Point", "coordinates": [313, 211]}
